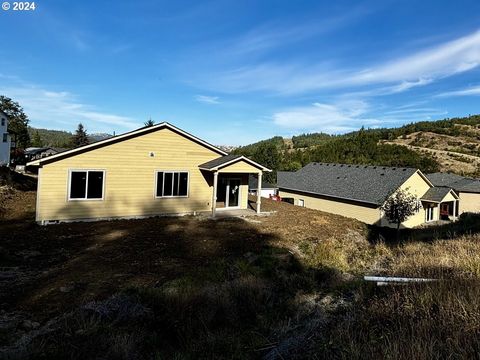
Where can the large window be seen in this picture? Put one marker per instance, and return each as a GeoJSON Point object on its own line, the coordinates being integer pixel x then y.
{"type": "Point", "coordinates": [86, 185]}
{"type": "Point", "coordinates": [5, 137]}
{"type": "Point", "coordinates": [172, 184]}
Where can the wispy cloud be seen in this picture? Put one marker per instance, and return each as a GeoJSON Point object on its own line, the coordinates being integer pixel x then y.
{"type": "Point", "coordinates": [331, 118]}
{"type": "Point", "coordinates": [61, 109]}
{"type": "Point", "coordinates": [417, 69]}
{"type": "Point", "coordinates": [207, 99]}
{"type": "Point", "coordinates": [473, 91]}
{"type": "Point", "coordinates": [274, 35]}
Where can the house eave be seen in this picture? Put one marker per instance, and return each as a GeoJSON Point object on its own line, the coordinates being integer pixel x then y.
{"type": "Point", "coordinates": [331, 196]}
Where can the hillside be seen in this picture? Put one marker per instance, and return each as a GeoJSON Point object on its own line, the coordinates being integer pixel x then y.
{"type": "Point", "coordinates": [58, 138]}
{"type": "Point", "coordinates": [457, 154]}
{"type": "Point", "coordinates": [451, 145]}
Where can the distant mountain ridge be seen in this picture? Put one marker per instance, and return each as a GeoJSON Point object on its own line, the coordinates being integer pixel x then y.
{"type": "Point", "coordinates": [58, 138]}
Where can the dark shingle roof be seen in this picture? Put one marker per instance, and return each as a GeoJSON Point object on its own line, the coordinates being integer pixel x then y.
{"type": "Point", "coordinates": [436, 194]}
{"type": "Point", "coordinates": [253, 183]}
{"type": "Point", "coordinates": [219, 161]}
{"type": "Point", "coordinates": [369, 184]}
{"type": "Point", "coordinates": [456, 182]}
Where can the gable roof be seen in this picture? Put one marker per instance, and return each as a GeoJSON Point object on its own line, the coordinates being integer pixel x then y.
{"type": "Point", "coordinates": [253, 183]}
{"type": "Point", "coordinates": [437, 194]}
{"type": "Point", "coordinates": [362, 183]}
{"type": "Point", "coordinates": [456, 182]}
{"type": "Point", "coordinates": [123, 137]}
{"type": "Point", "coordinates": [224, 161]}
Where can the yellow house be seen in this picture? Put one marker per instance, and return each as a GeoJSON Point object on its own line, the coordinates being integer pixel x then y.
{"type": "Point", "coordinates": [359, 191]}
{"type": "Point", "coordinates": [154, 170]}
{"type": "Point", "coordinates": [467, 189]}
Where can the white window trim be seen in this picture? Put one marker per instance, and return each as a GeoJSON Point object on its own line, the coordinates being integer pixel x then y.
{"type": "Point", "coordinates": [171, 196]}
{"type": "Point", "coordinates": [433, 214]}
{"type": "Point", "coordinates": [86, 185]}
{"type": "Point", "coordinates": [303, 202]}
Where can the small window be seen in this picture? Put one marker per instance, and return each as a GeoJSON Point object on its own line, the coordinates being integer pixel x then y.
{"type": "Point", "coordinates": [301, 202]}
{"type": "Point", "coordinates": [3, 121]}
{"type": "Point", "coordinates": [86, 185]}
{"type": "Point", "coordinates": [5, 137]}
{"type": "Point", "coordinates": [172, 184]}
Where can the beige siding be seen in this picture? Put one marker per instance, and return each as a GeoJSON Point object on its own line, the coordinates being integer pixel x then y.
{"type": "Point", "coordinates": [240, 167]}
{"type": "Point", "coordinates": [363, 213]}
{"type": "Point", "coordinates": [244, 192]}
{"type": "Point", "coordinates": [129, 179]}
{"type": "Point", "coordinates": [415, 185]}
{"type": "Point", "coordinates": [469, 202]}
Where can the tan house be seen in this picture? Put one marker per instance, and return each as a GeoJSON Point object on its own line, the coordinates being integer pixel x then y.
{"type": "Point", "coordinates": [359, 191]}
{"type": "Point", "coordinates": [154, 170]}
{"type": "Point", "coordinates": [467, 189]}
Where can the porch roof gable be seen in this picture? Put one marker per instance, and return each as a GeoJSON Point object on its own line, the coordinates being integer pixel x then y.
{"type": "Point", "coordinates": [438, 194]}
{"type": "Point", "coordinates": [228, 160]}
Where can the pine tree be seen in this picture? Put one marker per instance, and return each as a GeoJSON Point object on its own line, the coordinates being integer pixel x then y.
{"type": "Point", "coordinates": [149, 122]}
{"type": "Point", "coordinates": [36, 139]}
{"type": "Point", "coordinates": [80, 138]}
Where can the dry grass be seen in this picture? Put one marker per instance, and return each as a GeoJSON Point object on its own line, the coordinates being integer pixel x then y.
{"type": "Point", "coordinates": [434, 321]}
{"type": "Point", "coordinates": [287, 287]}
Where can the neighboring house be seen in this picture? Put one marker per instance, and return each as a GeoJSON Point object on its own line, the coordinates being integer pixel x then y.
{"type": "Point", "coordinates": [267, 188]}
{"type": "Point", "coordinates": [151, 171]}
{"type": "Point", "coordinates": [35, 153]}
{"type": "Point", "coordinates": [359, 191]}
{"type": "Point", "coordinates": [467, 189]}
{"type": "Point", "coordinates": [5, 141]}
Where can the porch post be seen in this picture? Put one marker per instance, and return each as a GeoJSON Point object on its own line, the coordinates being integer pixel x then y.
{"type": "Point", "coordinates": [454, 209]}
{"type": "Point", "coordinates": [259, 192]}
{"type": "Point", "coordinates": [214, 194]}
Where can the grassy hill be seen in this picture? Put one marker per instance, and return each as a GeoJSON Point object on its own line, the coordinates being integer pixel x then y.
{"type": "Point", "coordinates": [451, 145]}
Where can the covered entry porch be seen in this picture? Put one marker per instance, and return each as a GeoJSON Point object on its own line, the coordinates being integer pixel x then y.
{"type": "Point", "coordinates": [440, 203]}
{"type": "Point", "coordinates": [230, 182]}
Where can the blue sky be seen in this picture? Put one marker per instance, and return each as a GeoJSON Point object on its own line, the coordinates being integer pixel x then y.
{"type": "Point", "coordinates": [233, 72]}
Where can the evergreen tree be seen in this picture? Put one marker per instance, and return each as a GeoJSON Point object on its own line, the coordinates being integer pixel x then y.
{"type": "Point", "coordinates": [17, 121]}
{"type": "Point", "coordinates": [36, 139]}
{"type": "Point", "coordinates": [80, 138]}
{"type": "Point", "coordinates": [150, 122]}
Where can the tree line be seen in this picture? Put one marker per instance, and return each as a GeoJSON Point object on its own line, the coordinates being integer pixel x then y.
{"type": "Point", "coordinates": [361, 147]}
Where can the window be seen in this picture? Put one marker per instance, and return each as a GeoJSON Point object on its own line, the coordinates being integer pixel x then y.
{"type": "Point", "coordinates": [429, 213]}
{"type": "Point", "coordinates": [301, 202]}
{"type": "Point", "coordinates": [3, 121]}
{"type": "Point", "coordinates": [172, 184]}
{"type": "Point", "coordinates": [5, 137]}
{"type": "Point", "coordinates": [86, 185]}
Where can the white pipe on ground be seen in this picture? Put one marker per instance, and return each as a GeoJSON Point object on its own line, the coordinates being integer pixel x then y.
{"type": "Point", "coordinates": [385, 280]}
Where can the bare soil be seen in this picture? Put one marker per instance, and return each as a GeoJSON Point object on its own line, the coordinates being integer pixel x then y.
{"type": "Point", "coordinates": [47, 270]}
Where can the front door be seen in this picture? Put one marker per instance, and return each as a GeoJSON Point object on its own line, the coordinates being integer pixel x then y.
{"type": "Point", "coordinates": [232, 193]}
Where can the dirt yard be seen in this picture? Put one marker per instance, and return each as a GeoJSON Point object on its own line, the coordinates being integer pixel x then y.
{"type": "Point", "coordinates": [286, 285]}
{"type": "Point", "coordinates": [46, 269]}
